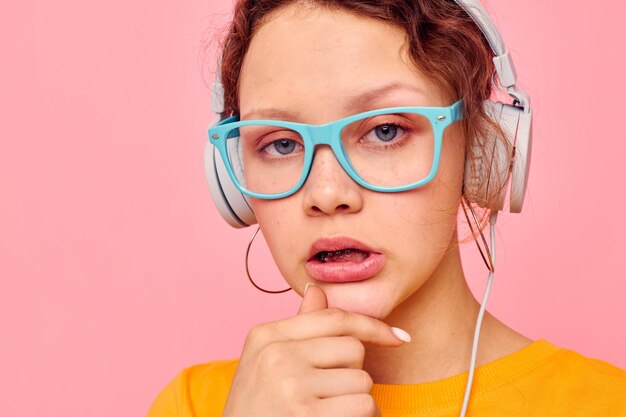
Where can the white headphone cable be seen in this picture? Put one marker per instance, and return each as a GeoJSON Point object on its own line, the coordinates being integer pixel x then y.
{"type": "Point", "coordinates": [479, 320]}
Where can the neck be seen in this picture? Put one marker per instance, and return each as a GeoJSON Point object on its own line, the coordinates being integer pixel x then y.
{"type": "Point", "coordinates": [440, 316]}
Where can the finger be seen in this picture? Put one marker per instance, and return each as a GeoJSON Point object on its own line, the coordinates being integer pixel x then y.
{"type": "Point", "coordinates": [313, 299]}
{"type": "Point", "coordinates": [330, 352]}
{"type": "Point", "coordinates": [337, 322]}
{"type": "Point", "coordinates": [353, 405]}
{"type": "Point", "coordinates": [326, 383]}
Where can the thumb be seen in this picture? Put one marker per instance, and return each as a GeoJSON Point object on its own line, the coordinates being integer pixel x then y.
{"type": "Point", "coordinates": [313, 299]}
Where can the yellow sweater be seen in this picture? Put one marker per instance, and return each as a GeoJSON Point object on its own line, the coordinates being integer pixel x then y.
{"type": "Point", "coordinates": [539, 380]}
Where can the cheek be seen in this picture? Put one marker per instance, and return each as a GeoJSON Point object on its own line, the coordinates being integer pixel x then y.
{"type": "Point", "coordinates": [416, 225]}
{"type": "Point", "coordinates": [446, 188]}
{"type": "Point", "coordinates": [416, 235]}
{"type": "Point", "coordinates": [452, 164]}
{"type": "Point", "coordinates": [420, 224]}
{"type": "Point", "coordinates": [278, 220]}
{"type": "Point", "coordinates": [438, 201]}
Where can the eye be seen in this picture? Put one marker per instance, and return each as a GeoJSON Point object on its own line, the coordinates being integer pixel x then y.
{"type": "Point", "coordinates": [281, 147]}
{"type": "Point", "coordinates": [383, 133]}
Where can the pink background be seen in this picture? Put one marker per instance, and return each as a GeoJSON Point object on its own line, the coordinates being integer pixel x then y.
{"type": "Point", "coordinates": [115, 269]}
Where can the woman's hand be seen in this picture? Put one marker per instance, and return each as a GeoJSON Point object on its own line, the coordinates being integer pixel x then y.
{"type": "Point", "coordinates": [310, 364]}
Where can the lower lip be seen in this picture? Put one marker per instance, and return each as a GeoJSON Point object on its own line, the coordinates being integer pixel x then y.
{"type": "Point", "coordinates": [345, 271]}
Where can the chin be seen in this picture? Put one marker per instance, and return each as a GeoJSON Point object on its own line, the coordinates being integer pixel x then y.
{"type": "Point", "coordinates": [358, 298]}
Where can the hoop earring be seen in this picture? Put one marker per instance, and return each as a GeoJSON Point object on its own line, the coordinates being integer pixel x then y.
{"type": "Point", "coordinates": [489, 263]}
{"type": "Point", "coordinates": [248, 270]}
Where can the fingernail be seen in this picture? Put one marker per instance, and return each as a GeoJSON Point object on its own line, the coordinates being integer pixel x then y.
{"type": "Point", "coordinates": [401, 334]}
{"type": "Point", "coordinates": [307, 286]}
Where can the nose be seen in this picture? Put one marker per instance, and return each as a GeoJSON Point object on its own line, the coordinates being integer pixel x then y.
{"type": "Point", "coordinates": [329, 190]}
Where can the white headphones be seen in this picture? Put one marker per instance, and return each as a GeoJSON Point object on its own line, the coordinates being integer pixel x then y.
{"type": "Point", "coordinates": [514, 119]}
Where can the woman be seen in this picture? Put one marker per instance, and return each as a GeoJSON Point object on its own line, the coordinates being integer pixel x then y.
{"type": "Point", "coordinates": [388, 325]}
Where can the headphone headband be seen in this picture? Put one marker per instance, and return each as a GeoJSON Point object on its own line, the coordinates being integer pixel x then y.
{"type": "Point", "coordinates": [480, 16]}
{"type": "Point", "coordinates": [502, 59]}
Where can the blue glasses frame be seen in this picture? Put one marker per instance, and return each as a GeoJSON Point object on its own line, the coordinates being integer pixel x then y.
{"type": "Point", "coordinates": [329, 134]}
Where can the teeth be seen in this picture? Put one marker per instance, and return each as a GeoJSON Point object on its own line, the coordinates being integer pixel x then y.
{"type": "Point", "coordinates": [325, 256]}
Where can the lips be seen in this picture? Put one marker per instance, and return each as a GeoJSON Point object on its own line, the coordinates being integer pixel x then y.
{"type": "Point", "coordinates": [343, 259]}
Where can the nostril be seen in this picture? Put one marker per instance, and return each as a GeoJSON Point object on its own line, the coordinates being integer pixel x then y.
{"type": "Point", "coordinates": [338, 209]}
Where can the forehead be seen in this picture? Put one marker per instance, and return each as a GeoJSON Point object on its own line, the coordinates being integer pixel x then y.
{"type": "Point", "coordinates": [316, 62]}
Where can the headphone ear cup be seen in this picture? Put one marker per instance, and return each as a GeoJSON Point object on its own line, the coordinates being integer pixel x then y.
{"type": "Point", "coordinates": [488, 160]}
{"type": "Point", "coordinates": [521, 159]}
{"type": "Point", "coordinates": [232, 205]}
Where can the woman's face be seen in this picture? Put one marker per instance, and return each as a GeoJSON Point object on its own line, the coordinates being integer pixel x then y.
{"type": "Point", "coordinates": [321, 65]}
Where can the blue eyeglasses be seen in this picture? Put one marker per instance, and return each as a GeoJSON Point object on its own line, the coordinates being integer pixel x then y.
{"type": "Point", "coordinates": [387, 150]}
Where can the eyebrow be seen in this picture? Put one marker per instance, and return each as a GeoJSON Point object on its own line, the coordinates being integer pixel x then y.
{"type": "Point", "coordinates": [355, 105]}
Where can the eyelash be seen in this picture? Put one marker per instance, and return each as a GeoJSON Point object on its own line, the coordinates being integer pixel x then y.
{"type": "Point", "coordinates": [260, 150]}
{"type": "Point", "coordinates": [395, 144]}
